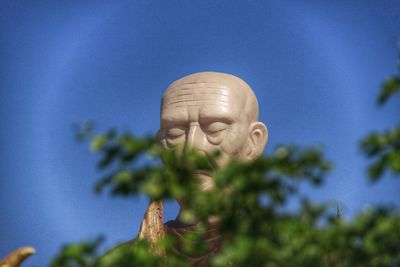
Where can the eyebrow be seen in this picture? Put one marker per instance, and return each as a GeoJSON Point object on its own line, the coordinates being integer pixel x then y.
{"type": "Point", "coordinates": [224, 117]}
{"type": "Point", "coordinates": [173, 119]}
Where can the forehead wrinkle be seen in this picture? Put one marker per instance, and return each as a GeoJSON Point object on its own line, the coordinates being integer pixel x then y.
{"type": "Point", "coordinates": [220, 96]}
{"type": "Point", "coordinates": [190, 99]}
{"type": "Point", "coordinates": [198, 85]}
{"type": "Point", "coordinates": [195, 93]}
{"type": "Point", "coordinates": [196, 90]}
{"type": "Point", "coordinates": [200, 103]}
{"type": "Point", "coordinates": [241, 96]}
{"type": "Point", "coordinates": [177, 87]}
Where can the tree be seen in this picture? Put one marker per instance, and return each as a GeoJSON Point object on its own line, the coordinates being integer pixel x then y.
{"type": "Point", "coordinates": [257, 229]}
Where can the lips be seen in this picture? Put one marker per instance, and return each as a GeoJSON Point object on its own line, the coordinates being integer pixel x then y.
{"type": "Point", "coordinates": [206, 180]}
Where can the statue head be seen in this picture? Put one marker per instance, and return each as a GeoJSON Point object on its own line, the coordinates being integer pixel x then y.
{"type": "Point", "coordinates": [210, 111]}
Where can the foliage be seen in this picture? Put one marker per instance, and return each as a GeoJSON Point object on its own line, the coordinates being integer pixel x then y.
{"type": "Point", "coordinates": [81, 254]}
{"type": "Point", "coordinates": [391, 86]}
{"type": "Point", "coordinates": [249, 200]}
{"type": "Point", "coordinates": [384, 147]}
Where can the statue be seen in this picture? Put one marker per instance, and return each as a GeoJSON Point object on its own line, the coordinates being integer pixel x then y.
{"type": "Point", "coordinates": [15, 258]}
{"type": "Point", "coordinates": [205, 111]}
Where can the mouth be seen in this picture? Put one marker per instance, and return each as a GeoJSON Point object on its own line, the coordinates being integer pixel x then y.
{"type": "Point", "coordinates": [206, 180]}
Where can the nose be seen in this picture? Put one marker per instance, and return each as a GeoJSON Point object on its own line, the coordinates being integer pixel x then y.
{"type": "Point", "coordinates": [195, 137]}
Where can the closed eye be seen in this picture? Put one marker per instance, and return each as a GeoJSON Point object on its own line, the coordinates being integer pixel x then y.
{"type": "Point", "coordinates": [175, 132]}
{"type": "Point", "coordinates": [216, 127]}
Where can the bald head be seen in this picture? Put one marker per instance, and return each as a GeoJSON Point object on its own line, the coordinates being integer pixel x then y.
{"type": "Point", "coordinates": [212, 88]}
{"type": "Point", "coordinates": [211, 111]}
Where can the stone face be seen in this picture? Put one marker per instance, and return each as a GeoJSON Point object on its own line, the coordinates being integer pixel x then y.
{"type": "Point", "coordinates": [206, 111]}
{"type": "Point", "coordinates": [211, 111]}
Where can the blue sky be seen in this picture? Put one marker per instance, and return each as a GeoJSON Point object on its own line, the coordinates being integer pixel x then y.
{"type": "Point", "coordinates": [316, 67]}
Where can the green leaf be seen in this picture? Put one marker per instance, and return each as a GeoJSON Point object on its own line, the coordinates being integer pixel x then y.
{"type": "Point", "coordinates": [98, 142]}
{"type": "Point", "coordinates": [389, 88]}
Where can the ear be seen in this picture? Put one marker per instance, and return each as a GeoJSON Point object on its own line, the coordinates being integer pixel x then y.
{"type": "Point", "coordinates": [258, 139]}
{"type": "Point", "coordinates": [158, 136]}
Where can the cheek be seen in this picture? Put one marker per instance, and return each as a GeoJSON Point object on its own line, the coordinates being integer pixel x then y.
{"type": "Point", "coordinates": [174, 142]}
{"type": "Point", "coordinates": [177, 148]}
{"type": "Point", "coordinates": [234, 139]}
{"type": "Point", "coordinates": [216, 139]}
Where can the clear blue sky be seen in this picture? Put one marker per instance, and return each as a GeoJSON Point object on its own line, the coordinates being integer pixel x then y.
{"type": "Point", "coordinates": [315, 66]}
